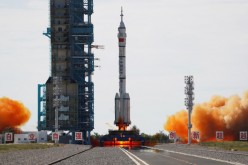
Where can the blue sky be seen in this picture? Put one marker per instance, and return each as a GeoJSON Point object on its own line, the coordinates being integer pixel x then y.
{"type": "Point", "coordinates": [167, 39]}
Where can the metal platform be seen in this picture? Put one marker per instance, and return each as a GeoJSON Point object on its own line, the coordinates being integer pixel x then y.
{"type": "Point", "coordinates": [122, 139]}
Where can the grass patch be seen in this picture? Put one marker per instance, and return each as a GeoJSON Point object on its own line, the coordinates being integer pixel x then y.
{"type": "Point", "coordinates": [16, 147]}
{"type": "Point", "coordinates": [234, 145]}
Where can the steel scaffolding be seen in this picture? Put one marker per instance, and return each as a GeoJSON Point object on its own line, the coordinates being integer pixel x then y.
{"type": "Point", "coordinates": [41, 106]}
{"type": "Point", "coordinates": [71, 35]}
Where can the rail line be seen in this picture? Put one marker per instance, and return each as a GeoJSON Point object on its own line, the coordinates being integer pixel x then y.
{"type": "Point", "coordinates": [60, 160]}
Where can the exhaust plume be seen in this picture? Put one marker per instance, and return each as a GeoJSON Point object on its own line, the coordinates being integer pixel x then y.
{"type": "Point", "coordinates": [13, 114]}
{"type": "Point", "coordinates": [219, 114]}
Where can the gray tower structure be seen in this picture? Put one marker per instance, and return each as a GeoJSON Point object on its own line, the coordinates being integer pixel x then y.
{"type": "Point", "coordinates": [72, 62]}
{"type": "Point", "coordinates": [189, 91]}
{"type": "Point", "coordinates": [122, 99]}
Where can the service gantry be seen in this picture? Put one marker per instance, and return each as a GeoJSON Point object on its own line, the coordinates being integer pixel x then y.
{"type": "Point", "coordinates": [72, 62]}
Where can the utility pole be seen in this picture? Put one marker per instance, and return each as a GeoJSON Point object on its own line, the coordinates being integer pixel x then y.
{"type": "Point", "coordinates": [189, 81]}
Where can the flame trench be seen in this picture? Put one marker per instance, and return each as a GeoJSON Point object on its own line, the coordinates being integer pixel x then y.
{"type": "Point", "coordinates": [229, 115]}
{"type": "Point", "coordinates": [13, 114]}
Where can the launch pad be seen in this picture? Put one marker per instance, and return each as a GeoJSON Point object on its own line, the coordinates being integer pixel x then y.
{"type": "Point", "coordinates": [127, 138]}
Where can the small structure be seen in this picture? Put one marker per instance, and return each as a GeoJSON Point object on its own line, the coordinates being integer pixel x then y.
{"type": "Point", "coordinates": [31, 137]}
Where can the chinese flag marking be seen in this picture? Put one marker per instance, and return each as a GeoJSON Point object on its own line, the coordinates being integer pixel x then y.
{"type": "Point", "coordinates": [121, 39]}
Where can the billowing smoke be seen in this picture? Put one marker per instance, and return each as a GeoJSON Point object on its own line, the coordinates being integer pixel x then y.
{"type": "Point", "coordinates": [13, 114]}
{"type": "Point", "coordinates": [229, 115]}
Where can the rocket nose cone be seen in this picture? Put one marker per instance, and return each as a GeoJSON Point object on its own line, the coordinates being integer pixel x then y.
{"type": "Point", "coordinates": [122, 25]}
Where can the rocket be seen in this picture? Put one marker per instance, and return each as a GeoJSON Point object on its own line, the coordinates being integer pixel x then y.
{"type": "Point", "coordinates": [122, 99]}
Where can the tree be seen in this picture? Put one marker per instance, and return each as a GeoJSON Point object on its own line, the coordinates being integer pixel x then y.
{"type": "Point", "coordinates": [96, 135]}
{"type": "Point", "coordinates": [12, 129]}
{"type": "Point", "coordinates": [159, 137]}
{"type": "Point", "coordinates": [135, 129]}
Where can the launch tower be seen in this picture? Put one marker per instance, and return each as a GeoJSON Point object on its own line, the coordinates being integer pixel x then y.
{"type": "Point", "coordinates": [72, 63]}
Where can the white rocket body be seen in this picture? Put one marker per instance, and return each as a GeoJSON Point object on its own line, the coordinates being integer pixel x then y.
{"type": "Point", "coordinates": [122, 99]}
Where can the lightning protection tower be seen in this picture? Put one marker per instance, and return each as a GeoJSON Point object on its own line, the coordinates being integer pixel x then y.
{"type": "Point", "coordinates": [71, 34]}
{"type": "Point", "coordinates": [189, 81]}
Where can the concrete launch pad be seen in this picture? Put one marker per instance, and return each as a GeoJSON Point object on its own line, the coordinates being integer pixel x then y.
{"type": "Point", "coordinates": [122, 139]}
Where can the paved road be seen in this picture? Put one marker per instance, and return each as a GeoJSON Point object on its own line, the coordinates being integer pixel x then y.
{"type": "Point", "coordinates": [156, 157]}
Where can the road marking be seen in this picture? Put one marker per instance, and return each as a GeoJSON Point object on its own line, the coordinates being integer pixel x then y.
{"type": "Point", "coordinates": [137, 163]}
{"type": "Point", "coordinates": [132, 156]}
{"type": "Point", "coordinates": [235, 163]}
{"type": "Point", "coordinates": [137, 158]}
{"type": "Point", "coordinates": [180, 160]}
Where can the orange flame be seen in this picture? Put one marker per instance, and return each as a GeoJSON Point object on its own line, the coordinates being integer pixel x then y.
{"type": "Point", "coordinates": [121, 125]}
{"type": "Point", "coordinates": [13, 114]}
{"type": "Point", "coordinates": [219, 114]}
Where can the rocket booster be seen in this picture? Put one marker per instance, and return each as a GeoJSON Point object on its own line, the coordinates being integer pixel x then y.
{"type": "Point", "coordinates": [122, 99]}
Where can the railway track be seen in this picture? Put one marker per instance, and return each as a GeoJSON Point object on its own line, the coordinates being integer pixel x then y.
{"type": "Point", "coordinates": [65, 158]}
